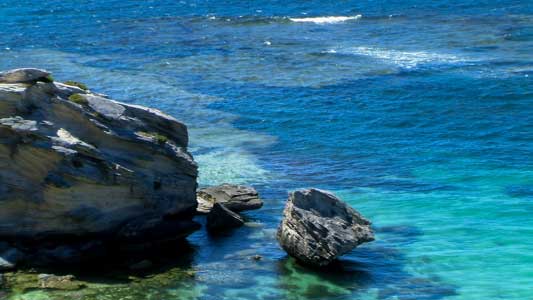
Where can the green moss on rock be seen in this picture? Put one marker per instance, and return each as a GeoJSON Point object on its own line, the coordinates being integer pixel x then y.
{"type": "Point", "coordinates": [174, 283]}
{"type": "Point", "coordinates": [159, 138]}
{"type": "Point", "coordinates": [77, 84]}
{"type": "Point", "coordinates": [79, 99]}
{"type": "Point", "coordinates": [48, 79]}
{"type": "Point", "coordinates": [20, 282]}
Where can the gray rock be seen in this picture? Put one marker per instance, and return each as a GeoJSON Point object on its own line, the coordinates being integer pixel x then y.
{"type": "Point", "coordinates": [19, 124]}
{"type": "Point", "coordinates": [109, 109]}
{"type": "Point", "coordinates": [220, 218]}
{"type": "Point", "coordinates": [25, 75]}
{"type": "Point", "coordinates": [235, 197]}
{"type": "Point", "coordinates": [9, 258]}
{"type": "Point", "coordinates": [86, 169]}
{"type": "Point", "coordinates": [12, 96]}
{"type": "Point", "coordinates": [318, 227]}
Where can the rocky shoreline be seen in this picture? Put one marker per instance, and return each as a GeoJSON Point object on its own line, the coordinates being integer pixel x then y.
{"type": "Point", "coordinates": [85, 178]}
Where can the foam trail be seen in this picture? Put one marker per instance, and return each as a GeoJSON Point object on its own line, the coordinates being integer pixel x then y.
{"type": "Point", "coordinates": [404, 59]}
{"type": "Point", "coordinates": [326, 20]}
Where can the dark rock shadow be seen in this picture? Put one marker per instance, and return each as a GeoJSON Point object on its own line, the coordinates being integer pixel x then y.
{"type": "Point", "coordinates": [115, 268]}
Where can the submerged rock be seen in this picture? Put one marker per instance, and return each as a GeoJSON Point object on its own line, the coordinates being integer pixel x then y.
{"type": "Point", "coordinates": [76, 164]}
{"type": "Point", "coordinates": [234, 197]}
{"type": "Point", "coordinates": [67, 282]}
{"type": "Point", "coordinates": [220, 218]}
{"type": "Point", "coordinates": [318, 227]}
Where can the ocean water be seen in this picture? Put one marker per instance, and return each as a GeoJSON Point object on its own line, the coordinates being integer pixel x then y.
{"type": "Point", "coordinates": [417, 113]}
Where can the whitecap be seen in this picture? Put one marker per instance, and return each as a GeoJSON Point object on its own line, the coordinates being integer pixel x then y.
{"type": "Point", "coordinates": [326, 20]}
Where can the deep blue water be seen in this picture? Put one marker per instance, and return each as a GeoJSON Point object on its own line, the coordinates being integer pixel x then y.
{"type": "Point", "coordinates": [418, 113]}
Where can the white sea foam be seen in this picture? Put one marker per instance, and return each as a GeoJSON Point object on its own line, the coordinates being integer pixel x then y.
{"type": "Point", "coordinates": [326, 20]}
{"type": "Point", "coordinates": [404, 59]}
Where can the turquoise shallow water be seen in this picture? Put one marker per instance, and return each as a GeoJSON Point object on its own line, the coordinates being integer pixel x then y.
{"type": "Point", "coordinates": [419, 114]}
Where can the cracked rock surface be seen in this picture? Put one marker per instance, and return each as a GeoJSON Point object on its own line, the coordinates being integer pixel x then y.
{"type": "Point", "coordinates": [318, 227]}
{"type": "Point", "coordinates": [74, 163]}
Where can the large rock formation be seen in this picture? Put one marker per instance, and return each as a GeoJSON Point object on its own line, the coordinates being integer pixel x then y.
{"type": "Point", "coordinates": [318, 227]}
{"type": "Point", "coordinates": [234, 197]}
{"type": "Point", "coordinates": [74, 163]}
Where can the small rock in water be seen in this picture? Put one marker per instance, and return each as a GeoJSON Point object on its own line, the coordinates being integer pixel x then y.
{"type": "Point", "coordinates": [220, 218]}
{"type": "Point", "coordinates": [318, 227]}
{"type": "Point", "coordinates": [235, 197]}
{"type": "Point", "coordinates": [257, 257]}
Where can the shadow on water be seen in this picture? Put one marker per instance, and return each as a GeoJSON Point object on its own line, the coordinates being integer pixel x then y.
{"type": "Point", "coordinates": [220, 267]}
{"type": "Point", "coordinates": [377, 270]}
{"type": "Point", "coordinates": [112, 277]}
{"type": "Point", "coordinates": [377, 267]}
{"type": "Point", "coordinates": [117, 267]}
{"type": "Point", "coordinates": [520, 191]}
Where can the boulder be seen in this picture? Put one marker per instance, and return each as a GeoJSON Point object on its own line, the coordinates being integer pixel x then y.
{"type": "Point", "coordinates": [220, 218]}
{"type": "Point", "coordinates": [24, 75]}
{"type": "Point", "coordinates": [318, 227]}
{"type": "Point", "coordinates": [77, 164]}
{"type": "Point", "coordinates": [235, 197]}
